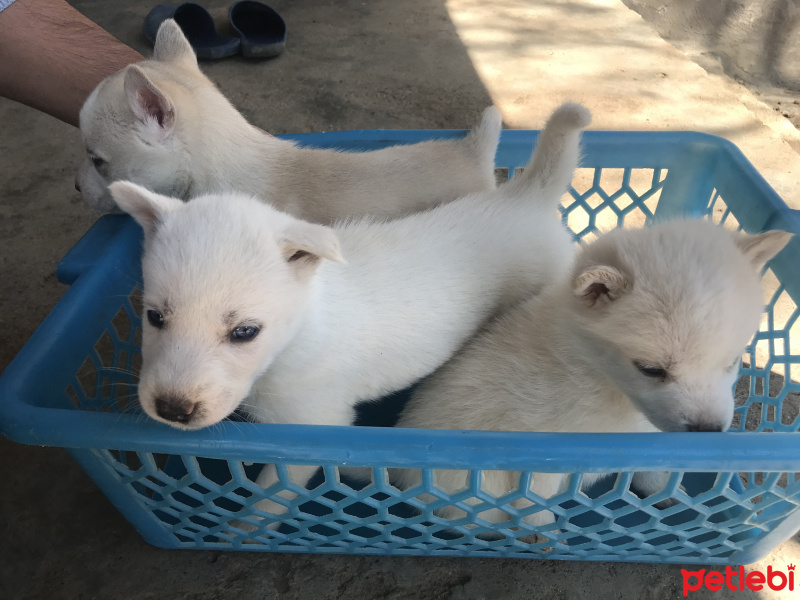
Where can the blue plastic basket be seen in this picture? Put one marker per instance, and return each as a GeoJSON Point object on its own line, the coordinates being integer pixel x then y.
{"type": "Point", "coordinates": [71, 386]}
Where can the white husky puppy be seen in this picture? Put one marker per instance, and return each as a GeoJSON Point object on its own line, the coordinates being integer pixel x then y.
{"type": "Point", "coordinates": [643, 334]}
{"type": "Point", "coordinates": [246, 305]}
{"type": "Point", "coordinates": [163, 124]}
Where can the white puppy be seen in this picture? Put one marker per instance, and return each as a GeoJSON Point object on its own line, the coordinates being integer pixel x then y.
{"type": "Point", "coordinates": [163, 124]}
{"type": "Point", "coordinates": [242, 310]}
{"type": "Point", "coordinates": [643, 334]}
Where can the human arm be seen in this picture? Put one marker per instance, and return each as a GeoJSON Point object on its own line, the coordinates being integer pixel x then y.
{"type": "Point", "coordinates": [52, 57]}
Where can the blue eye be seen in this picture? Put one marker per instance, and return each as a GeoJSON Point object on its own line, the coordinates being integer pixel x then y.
{"type": "Point", "coordinates": [649, 371]}
{"type": "Point", "coordinates": [244, 333]}
{"type": "Point", "coordinates": [155, 318]}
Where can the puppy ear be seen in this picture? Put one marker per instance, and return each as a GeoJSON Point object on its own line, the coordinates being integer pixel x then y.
{"type": "Point", "coordinates": [304, 245]}
{"type": "Point", "coordinates": [149, 104]}
{"type": "Point", "coordinates": [761, 248]}
{"type": "Point", "coordinates": [172, 46]}
{"type": "Point", "coordinates": [146, 207]}
{"type": "Point", "coordinates": [600, 285]}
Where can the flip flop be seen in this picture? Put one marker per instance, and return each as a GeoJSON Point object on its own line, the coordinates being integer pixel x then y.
{"type": "Point", "coordinates": [261, 29]}
{"type": "Point", "coordinates": [198, 27]}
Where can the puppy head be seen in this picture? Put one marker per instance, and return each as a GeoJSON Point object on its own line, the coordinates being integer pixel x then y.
{"type": "Point", "coordinates": [227, 282]}
{"type": "Point", "coordinates": [666, 312]}
{"type": "Point", "coordinates": [130, 125]}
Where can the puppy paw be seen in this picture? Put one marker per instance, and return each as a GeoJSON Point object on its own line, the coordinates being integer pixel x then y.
{"type": "Point", "coordinates": [536, 538]}
{"type": "Point", "coordinates": [670, 502]}
{"type": "Point", "coordinates": [666, 503]}
{"type": "Point", "coordinates": [243, 526]}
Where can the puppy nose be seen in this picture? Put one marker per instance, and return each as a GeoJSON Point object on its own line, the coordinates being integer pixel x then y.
{"type": "Point", "coordinates": [704, 427]}
{"type": "Point", "coordinates": [77, 185]}
{"type": "Point", "coordinates": [177, 410]}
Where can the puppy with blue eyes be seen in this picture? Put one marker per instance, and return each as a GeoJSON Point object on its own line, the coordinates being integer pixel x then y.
{"type": "Point", "coordinates": [644, 333]}
{"type": "Point", "coordinates": [247, 306]}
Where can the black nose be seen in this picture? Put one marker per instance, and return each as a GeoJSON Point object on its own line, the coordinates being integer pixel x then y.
{"type": "Point", "coordinates": [703, 427]}
{"type": "Point", "coordinates": [174, 409]}
{"type": "Point", "coordinates": [77, 185]}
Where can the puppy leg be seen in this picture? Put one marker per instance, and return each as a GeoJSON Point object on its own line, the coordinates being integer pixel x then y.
{"type": "Point", "coordinates": [497, 484]}
{"type": "Point", "coordinates": [298, 474]}
{"type": "Point", "coordinates": [653, 482]}
{"type": "Point", "coordinates": [451, 482]}
{"type": "Point", "coordinates": [544, 485]}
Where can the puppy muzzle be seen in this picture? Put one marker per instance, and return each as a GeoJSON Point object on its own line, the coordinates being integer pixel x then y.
{"type": "Point", "coordinates": [176, 409]}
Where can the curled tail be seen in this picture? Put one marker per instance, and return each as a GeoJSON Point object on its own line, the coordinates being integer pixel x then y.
{"type": "Point", "coordinates": [486, 135]}
{"type": "Point", "coordinates": [557, 154]}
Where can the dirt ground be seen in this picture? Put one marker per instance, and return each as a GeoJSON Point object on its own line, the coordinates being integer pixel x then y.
{"type": "Point", "coordinates": [350, 65]}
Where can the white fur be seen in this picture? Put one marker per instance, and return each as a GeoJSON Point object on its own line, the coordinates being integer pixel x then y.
{"type": "Point", "coordinates": [333, 333]}
{"type": "Point", "coordinates": [684, 295]}
{"type": "Point", "coordinates": [163, 124]}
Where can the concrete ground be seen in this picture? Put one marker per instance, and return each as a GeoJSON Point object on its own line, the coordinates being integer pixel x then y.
{"type": "Point", "coordinates": [348, 65]}
{"type": "Point", "coordinates": [756, 42]}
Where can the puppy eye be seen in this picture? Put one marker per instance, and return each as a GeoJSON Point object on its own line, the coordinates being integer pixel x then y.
{"type": "Point", "coordinates": [650, 371]}
{"type": "Point", "coordinates": [155, 318]}
{"type": "Point", "coordinates": [735, 364]}
{"type": "Point", "coordinates": [244, 333]}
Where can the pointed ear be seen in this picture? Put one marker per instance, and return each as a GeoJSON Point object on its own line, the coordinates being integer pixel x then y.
{"type": "Point", "coordinates": [761, 248]}
{"type": "Point", "coordinates": [599, 285]}
{"type": "Point", "coordinates": [172, 46]}
{"type": "Point", "coordinates": [146, 207]}
{"type": "Point", "coordinates": [304, 245]}
{"type": "Point", "coordinates": [149, 104]}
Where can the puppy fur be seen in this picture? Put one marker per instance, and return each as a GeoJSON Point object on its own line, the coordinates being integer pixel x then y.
{"type": "Point", "coordinates": [164, 125]}
{"type": "Point", "coordinates": [643, 334]}
{"type": "Point", "coordinates": [332, 333]}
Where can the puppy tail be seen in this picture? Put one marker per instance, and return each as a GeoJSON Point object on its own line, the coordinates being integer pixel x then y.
{"type": "Point", "coordinates": [485, 136]}
{"type": "Point", "coordinates": [557, 154]}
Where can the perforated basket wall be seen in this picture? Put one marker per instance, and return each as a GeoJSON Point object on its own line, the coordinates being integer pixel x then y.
{"type": "Point", "coordinates": [730, 497]}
